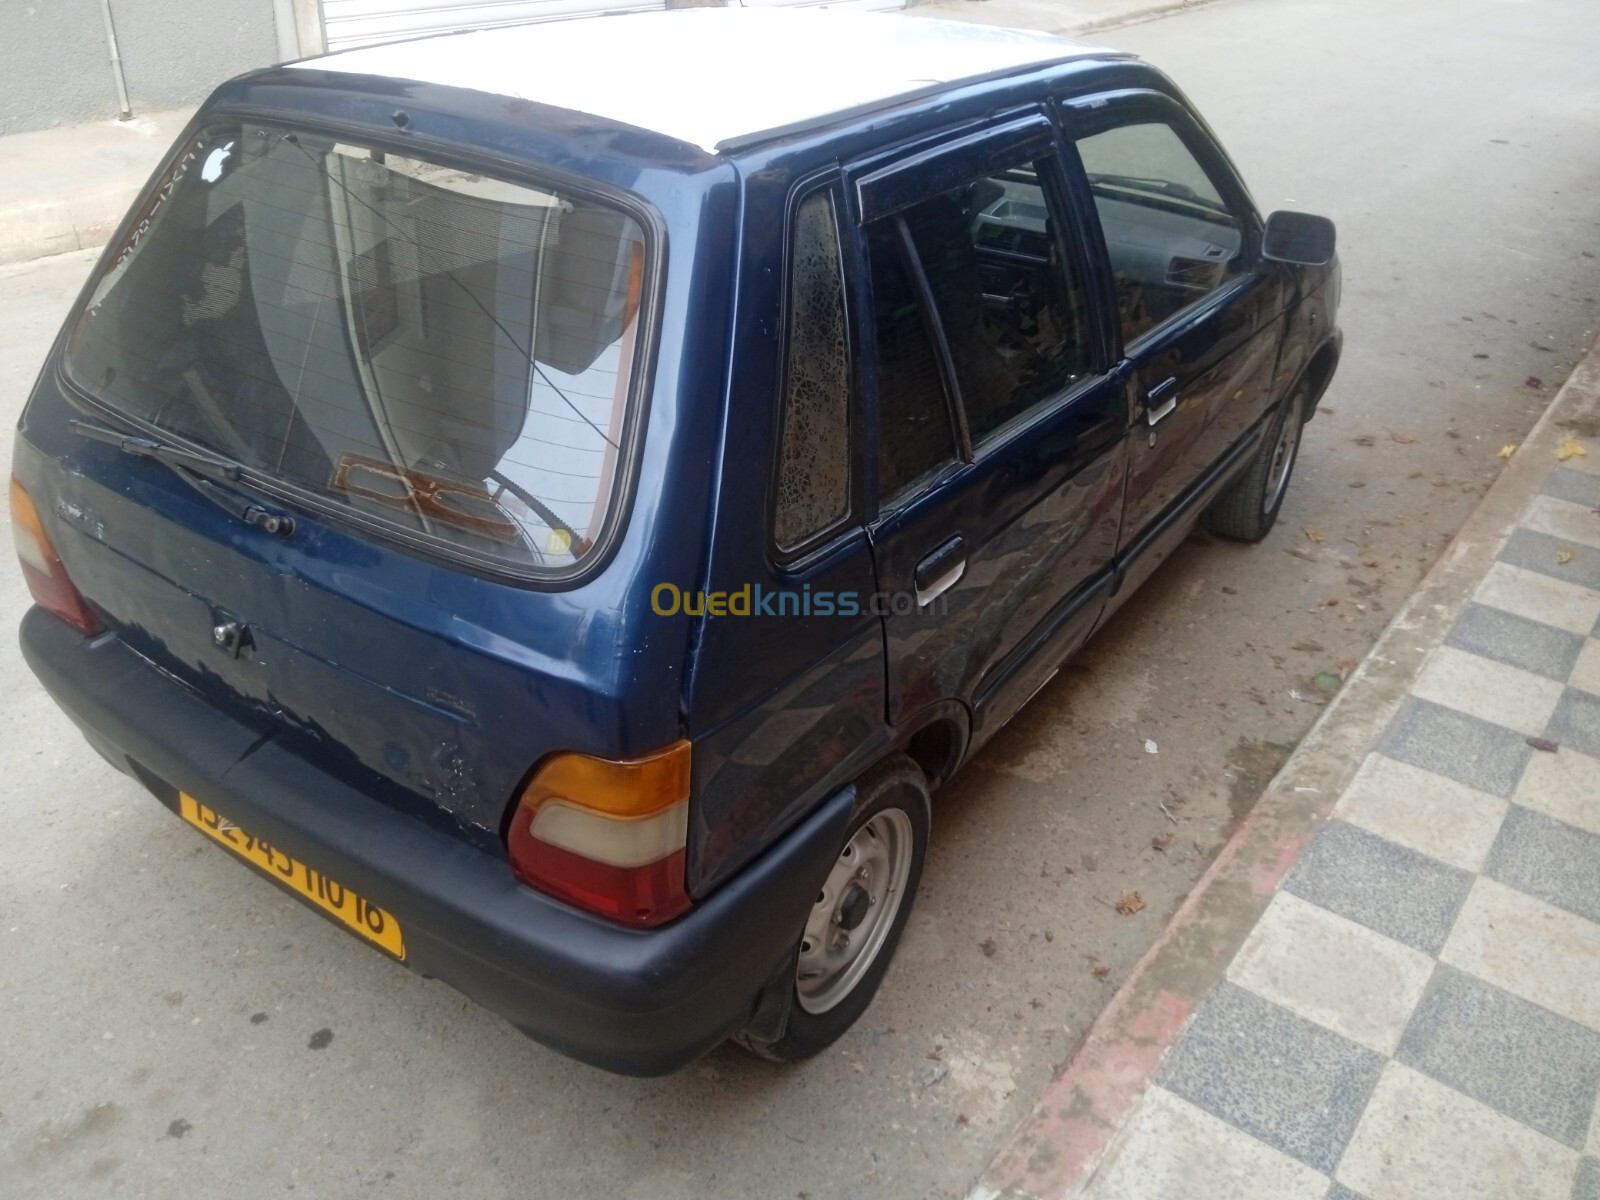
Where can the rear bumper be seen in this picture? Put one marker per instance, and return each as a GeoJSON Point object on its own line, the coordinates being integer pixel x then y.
{"type": "Point", "coordinates": [636, 1002]}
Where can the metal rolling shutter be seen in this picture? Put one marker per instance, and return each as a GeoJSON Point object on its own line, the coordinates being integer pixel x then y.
{"type": "Point", "coordinates": [350, 23]}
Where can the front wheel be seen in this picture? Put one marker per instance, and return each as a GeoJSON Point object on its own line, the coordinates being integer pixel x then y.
{"type": "Point", "coordinates": [861, 909]}
{"type": "Point", "coordinates": [1247, 511]}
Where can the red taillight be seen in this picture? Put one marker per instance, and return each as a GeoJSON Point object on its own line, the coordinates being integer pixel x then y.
{"type": "Point", "coordinates": [41, 566]}
{"type": "Point", "coordinates": [607, 835]}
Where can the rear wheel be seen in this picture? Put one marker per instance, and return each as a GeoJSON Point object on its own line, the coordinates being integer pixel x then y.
{"type": "Point", "coordinates": [861, 909]}
{"type": "Point", "coordinates": [1247, 511]}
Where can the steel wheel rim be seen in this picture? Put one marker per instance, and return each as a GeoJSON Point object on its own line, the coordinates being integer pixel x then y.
{"type": "Point", "coordinates": [834, 955]}
{"type": "Point", "coordinates": [1283, 455]}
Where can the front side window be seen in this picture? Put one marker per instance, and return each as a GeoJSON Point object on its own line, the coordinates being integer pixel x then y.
{"type": "Point", "coordinates": [814, 442]}
{"type": "Point", "coordinates": [446, 352]}
{"type": "Point", "coordinates": [1171, 237]}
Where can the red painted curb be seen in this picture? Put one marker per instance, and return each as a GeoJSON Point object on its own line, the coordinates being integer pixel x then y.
{"type": "Point", "coordinates": [1085, 1104]}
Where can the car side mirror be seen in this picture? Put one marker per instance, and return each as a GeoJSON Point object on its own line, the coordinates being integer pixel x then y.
{"type": "Point", "coordinates": [1299, 238]}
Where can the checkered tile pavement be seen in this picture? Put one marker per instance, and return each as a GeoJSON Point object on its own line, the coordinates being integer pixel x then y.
{"type": "Point", "coordinates": [1417, 1013]}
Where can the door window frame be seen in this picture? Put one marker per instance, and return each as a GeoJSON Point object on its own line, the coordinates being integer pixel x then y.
{"type": "Point", "coordinates": [1081, 116]}
{"type": "Point", "coordinates": [883, 192]}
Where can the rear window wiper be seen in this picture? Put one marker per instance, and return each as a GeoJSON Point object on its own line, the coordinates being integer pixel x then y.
{"type": "Point", "coordinates": [204, 472]}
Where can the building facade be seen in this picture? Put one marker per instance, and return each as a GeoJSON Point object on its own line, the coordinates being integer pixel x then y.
{"type": "Point", "coordinates": [67, 61]}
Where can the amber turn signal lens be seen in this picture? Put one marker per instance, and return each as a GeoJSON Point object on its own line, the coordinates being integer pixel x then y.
{"type": "Point", "coordinates": [637, 787]}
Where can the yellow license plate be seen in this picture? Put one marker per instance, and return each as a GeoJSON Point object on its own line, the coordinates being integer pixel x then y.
{"type": "Point", "coordinates": [339, 902]}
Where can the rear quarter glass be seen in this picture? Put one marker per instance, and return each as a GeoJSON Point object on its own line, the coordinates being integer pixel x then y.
{"type": "Point", "coordinates": [414, 345]}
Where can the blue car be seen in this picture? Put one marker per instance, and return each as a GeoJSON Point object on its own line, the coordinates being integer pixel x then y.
{"type": "Point", "coordinates": [559, 500]}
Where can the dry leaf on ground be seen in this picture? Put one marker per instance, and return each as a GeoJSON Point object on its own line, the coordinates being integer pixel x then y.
{"type": "Point", "coordinates": [1100, 972]}
{"type": "Point", "coordinates": [1545, 744]}
{"type": "Point", "coordinates": [1508, 450]}
{"type": "Point", "coordinates": [1312, 532]}
{"type": "Point", "coordinates": [1130, 904]}
{"type": "Point", "coordinates": [1563, 556]}
{"type": "Point", "coordinates": [1570, 449]}
{"type": "Point", "coordinates": [1405, 439]}
{"type": "Point", "coordinates": [1162, 841]}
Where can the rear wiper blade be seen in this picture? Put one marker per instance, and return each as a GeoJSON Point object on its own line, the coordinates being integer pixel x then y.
{"type": "Point", "coordinates": [203, 472]}
{"type": "Point", "coordinates": [212, 467]}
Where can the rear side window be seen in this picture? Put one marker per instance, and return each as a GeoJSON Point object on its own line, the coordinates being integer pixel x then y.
{"type": "Point", "coordinates": [1015, 319]}
{"type": "Point", "coordinates": [814, 443]}
{"type": "Point", "coordinates": [980, 318]}
{"type": "Point", "coordinates": [447, 353]}
{"type": "Point", "coordinates": [915, 436]}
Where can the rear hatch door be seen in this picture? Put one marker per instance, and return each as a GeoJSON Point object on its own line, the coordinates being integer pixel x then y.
{"type": "Point", "coordinates": [433, 372]}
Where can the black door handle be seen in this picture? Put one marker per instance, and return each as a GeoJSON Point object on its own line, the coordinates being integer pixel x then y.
{"type": "Point", "coordinates": [1160, 400]}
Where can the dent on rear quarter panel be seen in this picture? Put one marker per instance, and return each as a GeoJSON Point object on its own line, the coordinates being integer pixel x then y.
{"type": "Point", "coordinates": [765, 770]}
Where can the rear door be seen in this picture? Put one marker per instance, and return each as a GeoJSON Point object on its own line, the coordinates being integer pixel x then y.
{"type": "Point", "coordinates": [1196, 308]}
{"type": "Point", "coordinates": [1000, 439]}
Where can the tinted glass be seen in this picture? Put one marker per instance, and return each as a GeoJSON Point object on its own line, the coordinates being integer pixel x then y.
{"type": "Point", "coordinates": [1171, 238]}
{"type": "Point", "coordinates": [1016, 322]}
{"type": "Point", "coordinates": [814, 449]}
{"type": "Point", "coordinates": [444, 351]}
{"type": "Point", "coordinates": [914, 433]}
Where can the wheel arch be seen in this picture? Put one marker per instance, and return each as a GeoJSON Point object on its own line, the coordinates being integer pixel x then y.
{"type": "Point", "coordinates": [1318, 373]}
{"type": "Point", "coordinates": [936, 739]}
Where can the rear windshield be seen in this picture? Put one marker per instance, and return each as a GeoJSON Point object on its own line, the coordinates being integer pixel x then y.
{"type": "Point", "coordinates": [442, 351]}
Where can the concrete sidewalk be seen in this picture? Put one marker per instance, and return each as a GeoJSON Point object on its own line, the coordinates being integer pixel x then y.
{"type": "Point", "coordinates": [1415, 1013]}
{"type": "Point", "coordinates": [67, 188]}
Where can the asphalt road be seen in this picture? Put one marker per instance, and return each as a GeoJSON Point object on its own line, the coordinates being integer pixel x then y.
{"type": "Point", "coordinates": [172, 1025]}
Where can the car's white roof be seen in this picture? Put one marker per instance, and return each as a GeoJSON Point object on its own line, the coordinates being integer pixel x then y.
{"type": "Point", "coordinates": [713, 76]}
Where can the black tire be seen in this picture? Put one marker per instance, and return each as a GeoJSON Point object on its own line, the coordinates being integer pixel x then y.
{"type": "Point", "coordinates": [816, 1019]}
{"type": "Point", "coordinates": [1249, 508]}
